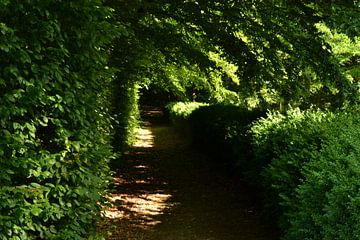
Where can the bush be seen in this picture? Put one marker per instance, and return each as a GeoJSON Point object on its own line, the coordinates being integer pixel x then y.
{"type": "Point", "coordinates": [179, 113]}
{"type": "Point", "coordinates": [221, 130]}
{"type": "Point", "coordinates": [282, 144]}
{"type": "Point", "coordinates": [54, 137]}
{"type": "Point", "coordinates": [126, 112]}
{"type": "Point", "coordinates": [183, 110]}
{"type": "Point", "coordinates": [308, 162]}
{"type": "Point", "coordinates": [310, 172]}
{"type": "Point", "coordinates": [327, 202]}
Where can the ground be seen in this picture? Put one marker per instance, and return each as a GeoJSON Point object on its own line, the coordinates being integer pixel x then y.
{"type": "Point", "coordinates": [164, 189]}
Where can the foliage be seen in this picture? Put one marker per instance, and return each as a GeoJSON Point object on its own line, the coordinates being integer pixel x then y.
{"type": "Point", "coordinates": [310, 173]}
{"type": "Point", "coordinates": [326, 205]}
{"type": "Point", "coordinates": [345, 50]}
{"type": "Point", "coordinates": [268, 54]}
{"type": "Point", "coordinates": [57, 95]}
{"type": "Point", "coordinates": [152, 52]}
{"type": "Point", "coordinates": [254, 52]}
{"type": "Point", "coordinates": [183, 109]}
{"type": "Point", "coordinates": [126, 112]}
{"type": "Point", "coordinates": [54, 138]}
{"type": "Point", "coordinates": [282, 144]}
{"type": "Point", "coordinates": [221, 130]}
{"type": "Point", "coordinates": [307, 161]}
{"type": "Point", "coordinates": [179, 114]}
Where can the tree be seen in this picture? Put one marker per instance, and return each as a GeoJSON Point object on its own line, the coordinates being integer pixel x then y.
{"type": "Point", "coordinates": [279, 53]}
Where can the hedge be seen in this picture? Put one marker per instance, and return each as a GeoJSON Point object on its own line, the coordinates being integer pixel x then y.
{"type": "Point", "coordinates": [282, 144]}
{"type": "Point", "coordinates": [54, 137]}
{"type": "Point", "coordinates": [182, 110]}
{"type": "Point", "coordinates": [327, 202]}
{"type": "Point", "coordinates": [221, 130]}
{"type": "Point", "coordinates": [179, 113]}
{"type": "Point", "coordinates": [311, 172]}
{"type": "Point", "coordinates": [125, 111]}
{"type": "Point", "coordinates": [305, 162]}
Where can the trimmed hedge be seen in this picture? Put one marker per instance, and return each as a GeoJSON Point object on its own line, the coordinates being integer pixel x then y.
{"type": "Point", "coordinates": [126, 112]}
{"type": "Point", "coordinates": [221, 130]}
{"type": "Point", "coordinates": [327, 202]}
{"type": "Point", "coordinates": [55, 126]}
{"type": "Point", "coordinates": [306, 163]}
{"type": "Point", "coordinates": [282, 144]}
{"type": "Point", "coordinates": [311, 172]}
{"type": "Point", "coordinates": [183, 110]}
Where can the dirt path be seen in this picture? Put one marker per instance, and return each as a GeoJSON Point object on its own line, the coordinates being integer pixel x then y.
{"type": "Point", "coordinates": [164, 190]}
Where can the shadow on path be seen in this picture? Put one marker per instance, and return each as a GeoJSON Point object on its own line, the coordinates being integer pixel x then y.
{"type": "Point", "coordinates": [165, 190]}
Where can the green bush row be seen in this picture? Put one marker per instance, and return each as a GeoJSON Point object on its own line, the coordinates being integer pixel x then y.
{"type": "Point", "coordinates": [282, 144]}
{"type": "Point", "coordinates": [182, 110]}
{"type": "Point", "coordinates": [55, 125]}
{"type": "Point", "coordinates": [179, 113]}
{"type": "Point", "coordinates": [220, 129]}
{"type": "Point", "coordinates": [312, 175]}
{"type": "Point", "coordinates": [305, 162]}
{"type": "Point", "coordinates": [126, 112]}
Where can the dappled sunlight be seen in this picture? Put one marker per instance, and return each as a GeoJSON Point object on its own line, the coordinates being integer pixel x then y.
{"type": "Point", "coordinates": [141, 167]}
{"type": "Point", "coordinates": [152, 112]}
{"type": "Point", "coordinates": [139, 198]}
{"type": "Point", "coordinates": [162, 190]}
{"type": "Point", "coordinates": [118, 181]}
{"type": "Point", "coordinates": [144, 138]}
{"type": "Point", "coordinates": [141, 209]}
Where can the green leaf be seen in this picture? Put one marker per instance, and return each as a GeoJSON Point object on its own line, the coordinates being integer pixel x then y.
{"type": "Point", "coordinates": [36, 211]}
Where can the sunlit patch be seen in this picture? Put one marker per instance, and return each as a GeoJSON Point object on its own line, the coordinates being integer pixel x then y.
{"type": "Point", "coordinates": [118, 181]}
{"type": "Point", "coordinates": [144, 138]}
{"type": "Point", "coordinates": [141, 167]}
{"type": "Point", "coordinates": [142, 182]}
{"type": "Point", "coordinates": [153, 112]}
{"type": "Point", "coordinates": [141, 208]}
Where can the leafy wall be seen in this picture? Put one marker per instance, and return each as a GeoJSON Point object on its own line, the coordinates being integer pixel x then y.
{"type": "Point", "coordinates": [54, 137]}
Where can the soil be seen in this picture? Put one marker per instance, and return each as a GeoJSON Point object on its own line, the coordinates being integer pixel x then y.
{"type": "Point", "coordinates": [164, 189]}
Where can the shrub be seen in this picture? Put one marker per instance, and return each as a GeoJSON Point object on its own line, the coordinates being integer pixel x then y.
{"type": "Point", "coordinates": [179, 113]}
{"type": "Point", "coordinates": [327, 202]}
{"type": "Point", "coordinates": [183, 110]}
{"type": "Point", "coordinates": [221, 130]}
{"type": "Point", "coordinates": [126, 112]}
{"type": "Point", "coordinates": [308, 162]}
{"type": "Point", "coordinates": [282, 144]}
{"type": "Point", "coordinates": [54, 137]}
{"type": "Point", "coordinates": [310, 172]}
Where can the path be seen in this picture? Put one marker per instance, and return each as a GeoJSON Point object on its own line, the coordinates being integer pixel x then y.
{"type": "Point", "coordinates": [164, 190]}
